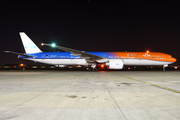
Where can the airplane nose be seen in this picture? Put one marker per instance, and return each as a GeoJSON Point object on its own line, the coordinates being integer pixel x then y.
{"type": "Point", "coordinates": [174, 60]}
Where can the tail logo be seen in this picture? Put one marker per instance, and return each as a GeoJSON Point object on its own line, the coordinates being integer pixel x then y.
{"type": "Point", "coordinates": [30, 46]}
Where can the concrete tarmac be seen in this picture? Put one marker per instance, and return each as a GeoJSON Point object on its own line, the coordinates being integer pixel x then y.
{"type": "Point", "coordinates": [83, 95]}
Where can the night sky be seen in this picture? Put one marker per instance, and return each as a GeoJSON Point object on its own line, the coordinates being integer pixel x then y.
{"type": "Point", "coordinates": [134, 26]}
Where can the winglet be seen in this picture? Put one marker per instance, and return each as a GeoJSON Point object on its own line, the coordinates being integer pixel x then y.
{"type": "Point", "coordinates": [29, 45]}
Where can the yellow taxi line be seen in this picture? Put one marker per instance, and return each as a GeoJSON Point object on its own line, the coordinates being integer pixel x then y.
{"type": "Point", "coordinates": [149, 83]}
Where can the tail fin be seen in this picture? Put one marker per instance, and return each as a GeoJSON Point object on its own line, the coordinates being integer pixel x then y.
{"type": "Point", "coordinates": [28, 44]}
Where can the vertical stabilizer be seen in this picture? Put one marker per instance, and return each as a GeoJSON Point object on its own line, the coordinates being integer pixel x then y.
{"type": "Point", "coordinates": [28, 44]}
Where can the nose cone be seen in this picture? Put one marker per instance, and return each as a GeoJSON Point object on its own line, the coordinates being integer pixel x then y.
{"type": "Point", "coordinates": [174, 60]}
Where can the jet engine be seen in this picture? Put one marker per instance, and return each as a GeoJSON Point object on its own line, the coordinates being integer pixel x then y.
{"type": "Point", "coordinates": [115, 64]}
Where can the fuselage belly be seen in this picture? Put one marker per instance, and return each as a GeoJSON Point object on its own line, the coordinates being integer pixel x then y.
{"type": "Point", "coordinates": [83, 61]}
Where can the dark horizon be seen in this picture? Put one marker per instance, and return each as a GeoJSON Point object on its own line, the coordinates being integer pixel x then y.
{"type": "Point", "coordinates": [92, 26]}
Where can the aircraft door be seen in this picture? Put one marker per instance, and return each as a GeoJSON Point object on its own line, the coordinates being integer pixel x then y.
{"type": "Point", "coordinates": [163, 57]}
{"type": "Point", "coordinates": [141, 61]}
{"type": "Point", "coordinates": [43, 56]}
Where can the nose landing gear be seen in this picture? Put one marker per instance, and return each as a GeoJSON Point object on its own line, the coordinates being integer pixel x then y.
{"type": "Point", "coordinates": [164, 66]}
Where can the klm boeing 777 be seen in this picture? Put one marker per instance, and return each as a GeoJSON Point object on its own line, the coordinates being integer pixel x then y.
{"type": "Point", "coordinates": [112, 60]}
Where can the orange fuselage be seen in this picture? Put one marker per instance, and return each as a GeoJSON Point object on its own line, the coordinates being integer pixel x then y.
{"type": "Point", "coordinates": [157, 56]}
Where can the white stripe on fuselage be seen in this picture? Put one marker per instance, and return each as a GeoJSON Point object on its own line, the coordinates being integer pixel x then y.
{"type": "Point", "coordinates": [144, 62]}
{"type": "Point", "coordinates": [83, 61]}
{"type": "Point", "coordinates": [61, 61]}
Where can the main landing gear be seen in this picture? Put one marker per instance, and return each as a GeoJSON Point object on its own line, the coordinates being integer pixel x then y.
{"type": "Point", "coordinates": [92, 67]}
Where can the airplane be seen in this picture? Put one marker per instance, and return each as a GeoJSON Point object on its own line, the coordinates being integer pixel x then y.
{"type": "Point", "coordinates": [112, 60]}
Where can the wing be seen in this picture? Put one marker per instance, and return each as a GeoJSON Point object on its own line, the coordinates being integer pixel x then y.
{"type": "Point", "coordinates": [82, 54]}
{"type": "Point", "coordinates": [22, 54]}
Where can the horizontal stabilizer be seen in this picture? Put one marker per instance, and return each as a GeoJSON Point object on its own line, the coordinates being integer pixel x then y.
{"type": "Point", "coordinates": [18, 53]}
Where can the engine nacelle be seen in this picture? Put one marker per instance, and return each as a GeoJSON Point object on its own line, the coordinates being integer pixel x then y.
{"type": "Point", "coordinates": [115, 64]}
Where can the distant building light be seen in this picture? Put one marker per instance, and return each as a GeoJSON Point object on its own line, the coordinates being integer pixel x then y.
{"type": "Point", "coordinates": [21, 65]}
{"type": "Point", "coordinates": [34, 67]}
{"type": "Point", "coordinates": [52, 67]}
{"type": "Point", "coordinates": [42, 66]}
